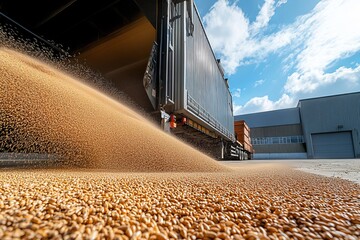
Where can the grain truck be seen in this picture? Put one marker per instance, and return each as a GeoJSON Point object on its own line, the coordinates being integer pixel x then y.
{"type": "Point", "coordinates": [155, 51]}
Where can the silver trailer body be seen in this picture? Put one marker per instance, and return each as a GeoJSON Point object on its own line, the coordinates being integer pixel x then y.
{"type": "Point", "coordinates": [197, 88]}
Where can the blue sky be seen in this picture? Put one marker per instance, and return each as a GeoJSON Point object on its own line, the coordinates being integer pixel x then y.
{"type": "Point", "coordinates": [276, 52]}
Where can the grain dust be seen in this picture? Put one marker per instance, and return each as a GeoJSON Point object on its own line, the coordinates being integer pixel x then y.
{"type": "Point", "coordinates": [44, 110]}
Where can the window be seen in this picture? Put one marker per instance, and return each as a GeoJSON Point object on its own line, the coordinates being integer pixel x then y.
{"type": "Point", "coordinates": [277, 140]}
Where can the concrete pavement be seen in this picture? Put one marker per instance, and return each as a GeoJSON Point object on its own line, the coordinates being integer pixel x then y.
{"type": "Point", "coordinates": [348, 169]}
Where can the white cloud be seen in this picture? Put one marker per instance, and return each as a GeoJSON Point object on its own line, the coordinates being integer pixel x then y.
{"type": "Point", "coordinates": [312, 80]}
{"type": "Point", "coordinates": [237, 109]}
{"type": "Point", "coordinates": [330, 36]}
{"type": "Point", "coordinates": [315, 42]}
{"type": "Point", "coordinates": [341, 81]}
{"type": "Point", "coordinates": [236, 93]}
{"type": "Point", "coordinates": [264, 16]}
{"type": "Point", "coordinates": [259, 104]}
{"type": "Point", "coordinates": [234, 38]}
{"type": "Point", "coordinates": [319, 38]}
{"type": "Point", "coordinates": [259, 82]}
{"type": "Point", "coordinates": [227, 29]}
{"type": "Point", "coordinates": [280, 2]}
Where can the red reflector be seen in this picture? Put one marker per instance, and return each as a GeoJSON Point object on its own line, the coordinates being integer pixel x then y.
{"type": "Point", "coordinates": [183, 120]}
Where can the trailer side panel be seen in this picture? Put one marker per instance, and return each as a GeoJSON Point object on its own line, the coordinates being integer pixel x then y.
{"type": "Point", "coordinates": [205, 93]}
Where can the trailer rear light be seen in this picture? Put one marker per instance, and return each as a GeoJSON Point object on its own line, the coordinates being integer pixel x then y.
{"type": "Point", "coordinates": [183, 120]}
{"type": "Point", "coordinates": [172, 121]}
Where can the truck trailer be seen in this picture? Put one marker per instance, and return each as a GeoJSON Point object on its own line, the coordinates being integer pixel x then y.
{"type": "Point", "coordinates": [155, 51]}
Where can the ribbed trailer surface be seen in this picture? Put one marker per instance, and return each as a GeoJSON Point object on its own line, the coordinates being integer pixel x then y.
{"type": "Point", "coordinates": [202, 93]}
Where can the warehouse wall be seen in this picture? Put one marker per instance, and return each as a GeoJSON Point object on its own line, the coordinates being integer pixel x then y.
{"type": "Point", "coordinates": [276, 134]}
{"type": "Point", "coordinates": [280, 148]}
{"type": "Point", "coordinates": [332, 114]}
{"type": "Point", "coordinates": [271, 118]}
{"type": "Point", "coordinates": [325, 127]}
{"type": "Point", "coordinates": [277, 131]}
{"type": "Point", "coordinates": [278, 139]}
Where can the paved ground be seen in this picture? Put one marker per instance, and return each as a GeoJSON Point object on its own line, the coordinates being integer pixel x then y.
{"type": "Point", "coordinates": [348, 169]}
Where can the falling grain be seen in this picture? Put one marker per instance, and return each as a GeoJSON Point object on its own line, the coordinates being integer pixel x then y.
{"type": "Point", "coordinates": [46, 111]}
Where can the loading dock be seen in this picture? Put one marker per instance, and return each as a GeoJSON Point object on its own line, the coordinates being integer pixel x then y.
{"type": "Point", "coordinates": [333, 145]}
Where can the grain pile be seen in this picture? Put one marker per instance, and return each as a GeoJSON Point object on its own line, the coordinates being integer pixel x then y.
{"type": "Point", "coordinates": [266, 202]}
{"type": "Point", "coordinates": [43, 110]}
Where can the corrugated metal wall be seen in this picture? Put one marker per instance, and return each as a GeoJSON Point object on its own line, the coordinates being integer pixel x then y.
{"type": "Point", "coordinates": [280, 148]}
{"type": "Point", "coordinates": [278, 117]}
{"type": "Point", "coordinates": [331, 114]}
{"type": "Point", "coordinates": [333, 145]}
{"type": "Point", "coordinates": [277, 131]}
{"type": "Point", "coordinates": [204, 82]}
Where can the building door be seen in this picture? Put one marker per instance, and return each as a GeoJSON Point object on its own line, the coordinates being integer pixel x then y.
{"type": "Point", "coordinates": [333, 145]}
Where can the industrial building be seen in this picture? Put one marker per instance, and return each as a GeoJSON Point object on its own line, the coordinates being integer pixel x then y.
{"type": "Point", "coordinates": [323, 127]}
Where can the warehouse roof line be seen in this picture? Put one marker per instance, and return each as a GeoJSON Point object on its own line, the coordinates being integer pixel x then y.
{"type": "Point", "coordinates": [271, 118]}
{"type": "Point", "coordinates": [279, 117]}
{"type": "Point", "coordinates": [323, 97]}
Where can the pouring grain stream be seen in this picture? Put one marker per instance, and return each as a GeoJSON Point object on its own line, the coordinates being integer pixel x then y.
{"type": "Point", "coordinates": [47, 111]}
